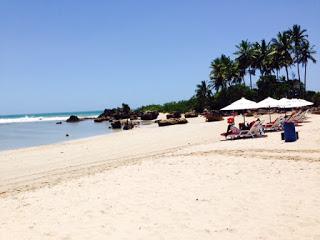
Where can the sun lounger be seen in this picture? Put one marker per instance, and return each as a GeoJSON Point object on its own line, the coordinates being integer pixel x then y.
{"type": "Point", "coordinates": [233, 131]}
{"type": "Point", "coordinates": [299, 117]}
{"type": "Point", "coordinates": [256, 130]}
{"type": "Point", "coordinates": [276, 125]}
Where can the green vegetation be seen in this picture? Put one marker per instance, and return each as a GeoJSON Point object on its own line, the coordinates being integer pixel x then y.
{"type": "Point", "coordinates": [180, 106]}
{"type": "Point", "coordinates": [289, 50]}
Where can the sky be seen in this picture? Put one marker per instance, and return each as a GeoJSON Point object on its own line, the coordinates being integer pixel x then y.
{"type": "Point", "coordinates": [89, 55]}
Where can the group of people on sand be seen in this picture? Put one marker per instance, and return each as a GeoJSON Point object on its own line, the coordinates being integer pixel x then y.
{"type": "Point", "coordinates": [256, 127]}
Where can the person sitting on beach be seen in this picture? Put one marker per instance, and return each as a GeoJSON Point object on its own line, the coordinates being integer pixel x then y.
{"type": "Point", "coordinates": [230, 124]}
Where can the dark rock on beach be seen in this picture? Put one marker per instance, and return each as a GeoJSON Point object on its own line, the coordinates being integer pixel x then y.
{"type": "Point", "coordinates": [213, 116]}
{"type": "Point", "coordinates": [116, 113]}
{"type": "Point", "coordinates": [102, 119]}
{"type": "Point", "coordinates": [116, 124]}
{"type": "Point", "coordinates": [128, 125]}
{"type": "Point", "coordinates": [149, 115]}
{"type": "Point", "coordinates": [73, 118]}
{"type": "Point", "coordinates": [172, 121]}
{"type": "Point", "coordinates": [190, 115]}
{"type": "Point", "coordinates": [174, 115]}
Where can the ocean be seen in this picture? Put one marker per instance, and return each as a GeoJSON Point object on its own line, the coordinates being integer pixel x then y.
{"type": "Point", "coordinates": [27, 130]}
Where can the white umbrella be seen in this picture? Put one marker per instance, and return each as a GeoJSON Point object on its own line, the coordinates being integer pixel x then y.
{"type": "Point", "coordinates": [293, 103]}
{"type": "Point", "coordinates": [241, 104]}
{"type": "Point", "coordinates": [305, 102]}
{"type": "Point", "coordinates": [268, 103]}
{"type": "Point", "coordinates": [286, 103]}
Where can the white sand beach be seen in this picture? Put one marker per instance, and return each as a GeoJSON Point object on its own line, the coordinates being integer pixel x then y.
{"type": "Point", "coordinates": [176, 182]}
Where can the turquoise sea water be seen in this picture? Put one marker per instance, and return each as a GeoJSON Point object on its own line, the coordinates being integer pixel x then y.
{"type": "Point", "coordinates": [33, 117]}
{"type": "Point", "coordinates": [26, 130]}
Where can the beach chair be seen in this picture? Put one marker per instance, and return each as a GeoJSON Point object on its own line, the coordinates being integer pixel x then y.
{"type": "Point", "coordinates": [276, 125]}
{"type": "Point", "coordinates": [297, 118]}
{"type": "Point", "coordinates": [256, 130]}
{"type": "Point", "coordinates": [303, 116]}
{"type": "Point", "coordinates": [234, 131]}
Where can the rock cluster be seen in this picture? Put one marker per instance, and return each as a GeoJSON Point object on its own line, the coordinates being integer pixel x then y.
{"type": "Point", "coordinates": [213, 116]}
{"type": "Point", "coordinates": [173, 115]}
{"type": "Point", "coordinates": [190, 115]}
{"type": "Point", "coordinates": [150, 115]}
{"type": "Point", "coordinates": [73, 118]}
{"type": "Point", "coordinates": [171, 121]}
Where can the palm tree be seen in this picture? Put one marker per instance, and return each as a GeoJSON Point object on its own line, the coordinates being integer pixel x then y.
{"type": "Point", "coordinates": [244, 55]}
{"type": "Point", "coordinates": [307, 53]}
{"type": "Point", "coordinates": [203, 94]}
{"type": "Point", "coordinates": [262, 57]}
{"type": "Point", "coordinates": [227, 69]}
{"type": "Point", "coordinates": [216, 74]}
{"type": "Point", "coordinates": [298, 36]}
{"type": "Point", "coordinates": [282, 47]}
{"type": "Point", "coordinates": [224, 73]}
{"type": "Point", "coordinates": [237, 73]}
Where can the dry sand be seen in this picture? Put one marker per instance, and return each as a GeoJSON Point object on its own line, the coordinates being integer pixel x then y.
{"type": "Point", "coordinates": [177, 182]}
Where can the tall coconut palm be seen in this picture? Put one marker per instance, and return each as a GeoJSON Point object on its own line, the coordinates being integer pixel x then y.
{"type": "Point", "coordinates": [237, 73]}
{"type": "Point", "coordinates": [307, 53]}
{"type": "Point", "coordinates": [262, 55]}
{"type": "Point", "coordinates": [244, 55]}
{"type": "Point", "coordinates": [203, 94]}
{"type": "Point", "coordinates": [224, 72]}
{"type": "Point", "coordinates": [282, 45]}
{"type": "Point", "coordinates": [228, 69]}
{"type": "Point", "coordinates": [217, 74]}
{"type": "Point", "coordinates": [298, 36]}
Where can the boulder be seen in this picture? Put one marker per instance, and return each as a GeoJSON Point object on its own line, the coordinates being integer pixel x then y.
{"type": "Point", "coordinates": [116, 124]}
{"type": "Point", "coordinates": [190, 115]}
{"type": "Point", "coordinates": [174, 115]}
{"type": "Point", "coordinates": [133, 117]}
{"type": "Point", "coordinates": [171, 121]}
{"type": "Point", "coordinates": [128, 125]}
{"type": "Point", "coordinates": [151, 115]}
{"type": "Point", "coordinates": [107, 113]}
{"type": "Point", "coordinates": [101, 119]}
{"type": "Point", "coordinates": [116, 113]}
{"type": "Point", "coordinates": [73, 118]}
{"type": "Point", "coordinates": [213, 116]}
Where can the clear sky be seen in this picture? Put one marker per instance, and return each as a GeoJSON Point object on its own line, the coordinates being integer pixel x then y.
{"type": "Point", "coordinates": [87, 55]}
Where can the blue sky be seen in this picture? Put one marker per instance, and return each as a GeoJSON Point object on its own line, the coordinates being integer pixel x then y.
{"type": "Point", "coordinates": [83, 55]}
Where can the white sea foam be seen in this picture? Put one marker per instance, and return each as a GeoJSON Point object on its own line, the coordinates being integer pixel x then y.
{"type": "Point", "coordinates": [35, 119]}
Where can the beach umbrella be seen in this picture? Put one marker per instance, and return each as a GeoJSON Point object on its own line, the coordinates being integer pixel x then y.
{"type": "Point", "coordinates": [241, 104]}
{"type": "Point", "coordinates": [269, 103]}
{"type": "Point", "coordinates": [305, 102]}
{"type": "Point", "coordinates": [293, 103]}
{"type": "Point", "coordinates": [286, 103]}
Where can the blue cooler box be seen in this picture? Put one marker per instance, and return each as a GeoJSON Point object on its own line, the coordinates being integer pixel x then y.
{"type": "Point", "coordinates": [289, 132]}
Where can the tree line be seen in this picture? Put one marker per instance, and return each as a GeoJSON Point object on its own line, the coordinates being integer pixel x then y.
{"type": "Point", "coordinates": [271, 61]}
{"type": "Point", "coordinates": [289, 48]}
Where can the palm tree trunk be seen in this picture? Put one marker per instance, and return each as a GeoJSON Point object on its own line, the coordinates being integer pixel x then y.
{"type": "Point", "coordinates": [298, 71]}
{"type": "Point", "coordinates": [287, 73]}
{"type": "Point", "coordinates": [305, 77]}
{"type": "Point", "coordinates": [250, 81]}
